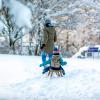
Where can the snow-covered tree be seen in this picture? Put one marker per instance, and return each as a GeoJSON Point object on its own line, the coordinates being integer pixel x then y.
{"type": "Point", "coordinates": [80, 19]}
{"type": "Point", "coordinates": [15, 17]}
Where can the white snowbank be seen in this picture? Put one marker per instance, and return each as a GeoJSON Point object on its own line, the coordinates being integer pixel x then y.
{"type": "Point", "coordinates": [21, 13]}
{"type": "Point", "coordinates": [21, 79]}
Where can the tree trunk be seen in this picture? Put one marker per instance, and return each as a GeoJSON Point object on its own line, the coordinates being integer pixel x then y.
{"type": "Point", "coordinates": [36, 52]}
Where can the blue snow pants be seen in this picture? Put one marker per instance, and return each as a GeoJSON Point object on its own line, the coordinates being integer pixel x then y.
{"type": "Point", "coordinates": [44, 56]}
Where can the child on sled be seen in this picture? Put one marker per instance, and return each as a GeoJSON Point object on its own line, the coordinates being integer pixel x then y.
{"type": "Point", "coordinates": [55, 63]}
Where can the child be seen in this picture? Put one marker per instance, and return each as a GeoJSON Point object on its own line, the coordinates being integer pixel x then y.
{"type": "Point", "coordinates": [55, 62]}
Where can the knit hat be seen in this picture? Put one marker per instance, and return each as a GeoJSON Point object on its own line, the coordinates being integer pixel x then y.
{"type": "Point", "coordinates": [56, 51]}
{"type": "Point", "coordinates": [47, 21]}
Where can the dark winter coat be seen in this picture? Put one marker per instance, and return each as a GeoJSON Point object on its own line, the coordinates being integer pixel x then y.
{"type": "Point", "coordinates": [49, 38]}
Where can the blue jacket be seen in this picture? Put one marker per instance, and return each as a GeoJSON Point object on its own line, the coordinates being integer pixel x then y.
{"type": "Point", "coordinates": [62, 63]}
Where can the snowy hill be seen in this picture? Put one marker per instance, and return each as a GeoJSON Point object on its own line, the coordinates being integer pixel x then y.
{"type": "Point", "coordinates": [21, 79]}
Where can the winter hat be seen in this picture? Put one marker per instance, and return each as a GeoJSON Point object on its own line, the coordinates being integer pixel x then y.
{"type": "Point", "coordinates": [47, 21]}
{"type": "Point", "coordinates": [56, 51]}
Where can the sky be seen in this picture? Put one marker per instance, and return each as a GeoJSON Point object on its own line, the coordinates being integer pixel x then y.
{"type": "Point", "coordinates": [21, 79]}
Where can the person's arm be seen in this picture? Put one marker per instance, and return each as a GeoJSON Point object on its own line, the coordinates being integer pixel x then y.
{"type": "Point", "coordinates": [55, 36]}
{"type": "Point", "coordinates": [45, 37]}
{"type": "Point", "coordinates": [62, 62]}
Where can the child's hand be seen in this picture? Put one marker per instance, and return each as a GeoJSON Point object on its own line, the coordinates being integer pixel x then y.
{"type": "Point", "coordinates": [64, 63]}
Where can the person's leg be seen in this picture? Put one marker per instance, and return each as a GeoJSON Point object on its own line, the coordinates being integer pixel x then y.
{"type": "Point", "coordinates": [44, 57]}
{"type": "Point", "coordinates": [46, 69]}
{"type": "Point", "coordinates": [50, 55]}
{"type": "Point", "coordinates": [63, 71]}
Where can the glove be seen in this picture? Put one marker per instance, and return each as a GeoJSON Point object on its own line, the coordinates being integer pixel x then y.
{"type": "Point", "coordinates": [41, 65]}
{"type": "Point", "coordinates": [43, 45]}
{"type": "Point", "coordinates": [64, 63]}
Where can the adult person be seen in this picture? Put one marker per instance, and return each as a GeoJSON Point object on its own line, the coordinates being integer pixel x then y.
{"type": "Point", "coordinates": [49, 38]}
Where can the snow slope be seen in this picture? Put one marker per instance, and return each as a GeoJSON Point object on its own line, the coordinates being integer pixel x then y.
{"type": "Point", "coordinates": [21, 79]}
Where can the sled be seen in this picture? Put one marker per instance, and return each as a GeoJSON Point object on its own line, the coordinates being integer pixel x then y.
{"type": "Point", "coordinates": [59, 73]}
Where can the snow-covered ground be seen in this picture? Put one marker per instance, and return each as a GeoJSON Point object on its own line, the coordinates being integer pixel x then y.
{"type": "Point", "coordinates": [21, 79]}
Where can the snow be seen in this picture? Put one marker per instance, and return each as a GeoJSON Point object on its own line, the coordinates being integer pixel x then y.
{"type": "Point", "coordinates": [0, 4]}
{"type": "Point", "coordinates": [1, 26]}
{"type": "Point", "coordinates": [85, 48]}
{"type": "Point", "coordinates": [21, 79]}
{"type": "Point", "coordinates": [21, 13]}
